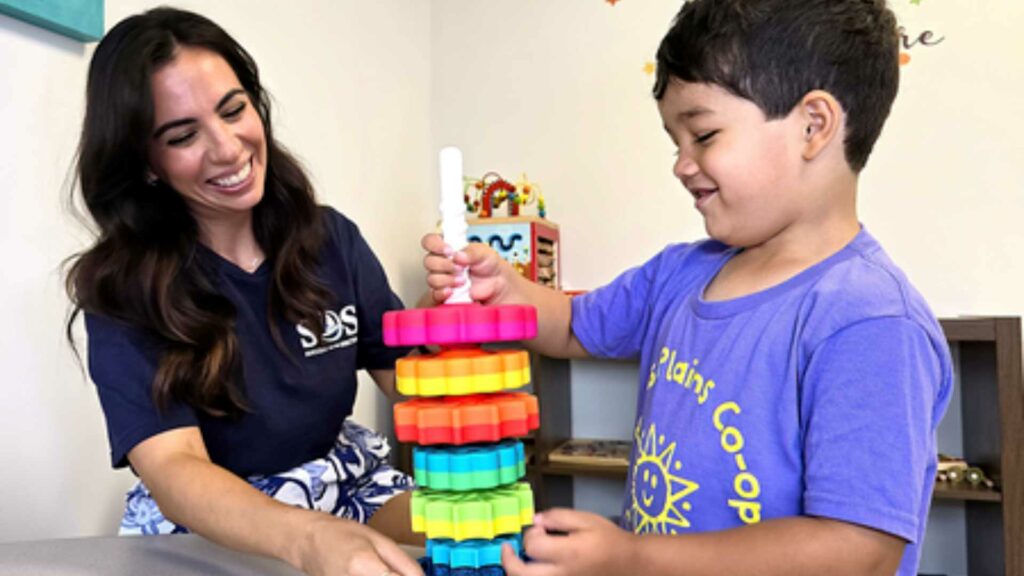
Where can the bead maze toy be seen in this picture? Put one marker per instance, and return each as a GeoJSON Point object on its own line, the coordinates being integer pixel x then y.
{"type": "Point", "coordinates": [466, 416]}
{"type": "Point", "coordinates": [486, 194]}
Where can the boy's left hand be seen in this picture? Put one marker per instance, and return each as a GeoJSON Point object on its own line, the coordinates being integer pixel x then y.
{"type": "Point", "coordinates": [566, 542]}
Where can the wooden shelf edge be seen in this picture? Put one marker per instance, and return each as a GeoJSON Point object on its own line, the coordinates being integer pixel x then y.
{"type": "Point", "coordinates": [973, 328]}
{"type": "Point", "coordinates": [571, 469]}
{"type": "Point", "coordinates": [967, 492]}
{"type": "Point", "coordinates": [942, 491]}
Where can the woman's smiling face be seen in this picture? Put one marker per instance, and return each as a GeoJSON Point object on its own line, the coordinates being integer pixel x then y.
{"type": "Point", "coordinates": [207, 140]}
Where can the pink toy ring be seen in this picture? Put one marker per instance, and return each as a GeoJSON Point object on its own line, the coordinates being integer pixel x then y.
{"type": "Point", "coordinates": [453, 324]}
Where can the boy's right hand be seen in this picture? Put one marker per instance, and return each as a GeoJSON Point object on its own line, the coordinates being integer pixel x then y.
{"type": "Point", "coordinates": [490, 275]}
{"type": "Point", "coordinates": [495, 282]}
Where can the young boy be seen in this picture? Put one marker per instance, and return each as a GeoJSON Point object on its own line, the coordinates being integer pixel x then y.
{"type": "Point", "coordinates": [792, 379]}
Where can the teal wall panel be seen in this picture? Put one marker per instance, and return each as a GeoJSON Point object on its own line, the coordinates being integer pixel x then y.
{"type": "Point", "coordinates": [79, 19]}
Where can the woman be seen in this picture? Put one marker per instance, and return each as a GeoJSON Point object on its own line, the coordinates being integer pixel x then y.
{"type": "Point", "coordinates": [227, 313]}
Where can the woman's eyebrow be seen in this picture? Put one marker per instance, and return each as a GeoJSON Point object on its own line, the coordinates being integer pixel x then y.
{"type": "Point", "coordinates": [182, 121]}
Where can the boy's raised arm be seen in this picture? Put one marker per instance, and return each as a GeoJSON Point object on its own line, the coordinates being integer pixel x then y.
{"type": "Point", "coordinates": [494, 281]}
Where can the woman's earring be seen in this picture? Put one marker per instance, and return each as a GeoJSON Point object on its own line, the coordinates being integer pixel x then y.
{"type": "Point", "coordinates": [151, 179]}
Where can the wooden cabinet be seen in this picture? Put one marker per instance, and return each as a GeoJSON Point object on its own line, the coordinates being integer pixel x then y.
{"type": "Point", "coordinates": [988, 367]}
{"type": "Point", "coordinates": [988, 353]}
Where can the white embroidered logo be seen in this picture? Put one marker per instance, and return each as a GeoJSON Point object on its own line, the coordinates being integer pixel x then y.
{"type": "Point", "coordinates": [341, 329]}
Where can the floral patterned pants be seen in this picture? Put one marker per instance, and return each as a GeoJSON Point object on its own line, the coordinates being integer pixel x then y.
{"type": "Point", "coordinates": [353, 482]}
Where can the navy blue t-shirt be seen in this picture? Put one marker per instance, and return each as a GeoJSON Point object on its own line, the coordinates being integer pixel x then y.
{"type": "Point", "coordinates": [297, 400]}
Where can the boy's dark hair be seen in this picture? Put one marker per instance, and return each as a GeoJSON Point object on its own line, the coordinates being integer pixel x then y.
{"type": "Point", "coordinates": [773, 52]}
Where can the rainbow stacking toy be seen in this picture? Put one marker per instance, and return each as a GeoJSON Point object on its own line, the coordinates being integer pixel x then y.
{"type": "Point", "coordinates": [467, 465]}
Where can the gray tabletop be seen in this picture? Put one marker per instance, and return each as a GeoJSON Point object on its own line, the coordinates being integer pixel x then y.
{"type": "Point", "coordinates": [177, 555]}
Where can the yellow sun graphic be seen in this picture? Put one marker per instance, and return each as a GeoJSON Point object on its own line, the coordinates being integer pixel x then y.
{"type": "Point", "coordinates": [658, 493]}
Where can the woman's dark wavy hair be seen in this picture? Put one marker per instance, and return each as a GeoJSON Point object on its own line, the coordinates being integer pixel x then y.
{"type": "Point", "coordinates": [773, 52]}
{"type": "Point", "coordinates": [142, 270]}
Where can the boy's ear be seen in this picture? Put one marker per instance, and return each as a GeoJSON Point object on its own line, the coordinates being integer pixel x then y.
{"type": "Point", "coordinates": [822, 117]}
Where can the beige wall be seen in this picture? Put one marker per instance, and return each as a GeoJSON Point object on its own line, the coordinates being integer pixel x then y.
{"type": "Point", "coordinates": [557, 89]}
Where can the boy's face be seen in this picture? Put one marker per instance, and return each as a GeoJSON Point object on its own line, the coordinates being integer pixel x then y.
{"type": "Point", "coordinates": [742, 170]}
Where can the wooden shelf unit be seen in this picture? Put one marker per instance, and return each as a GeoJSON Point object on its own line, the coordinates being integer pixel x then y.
{"type": "Point", "coordinates": [992, 410]}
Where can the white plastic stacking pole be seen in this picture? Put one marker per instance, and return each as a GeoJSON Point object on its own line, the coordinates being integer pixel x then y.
{"type": "Point", "coordinates": [453, 214]}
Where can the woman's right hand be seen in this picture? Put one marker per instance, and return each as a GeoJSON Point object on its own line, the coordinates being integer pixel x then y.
{"type": "Point", "coordinates": [337, 547]}
{"type": "Point", "coordinates": [491, 277]}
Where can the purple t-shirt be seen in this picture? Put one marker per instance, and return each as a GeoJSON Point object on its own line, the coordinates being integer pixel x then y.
{"type": "Point", "coordinates": [819, 396]}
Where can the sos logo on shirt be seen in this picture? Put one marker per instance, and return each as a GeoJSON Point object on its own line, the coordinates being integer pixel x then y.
{"type": "Point", "coordinates": [341, 329]}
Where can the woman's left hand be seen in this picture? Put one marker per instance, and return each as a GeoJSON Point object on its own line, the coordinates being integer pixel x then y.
{"type": "Point", "coordinates": [566, 542]}
{"type": "Point", "coordinates": [337, 547]}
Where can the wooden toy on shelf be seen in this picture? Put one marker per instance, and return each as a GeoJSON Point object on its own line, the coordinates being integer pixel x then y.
{"type": "Point", "coordinates": [956, 470]}
{"type": "Point", "coordinates": [530, 243]}
{"type": "Point", "coordinates": [610, 453]}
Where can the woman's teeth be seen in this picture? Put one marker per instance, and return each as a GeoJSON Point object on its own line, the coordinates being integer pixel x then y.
{"type": "Point", "coordinates": [236, 178]}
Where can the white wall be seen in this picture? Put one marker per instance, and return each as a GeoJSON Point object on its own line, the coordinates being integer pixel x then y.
{"type": "Point", "coordinates": [557, 89]}
{"type": "Point", "coordinates": [351, 82]}
{"type": "Point", "coordinates": [944, 190]}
